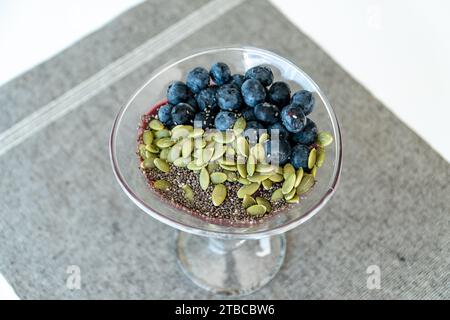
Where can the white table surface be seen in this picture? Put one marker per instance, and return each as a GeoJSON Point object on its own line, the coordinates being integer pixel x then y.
{"type": "Point", "coordinates": [397, 49]}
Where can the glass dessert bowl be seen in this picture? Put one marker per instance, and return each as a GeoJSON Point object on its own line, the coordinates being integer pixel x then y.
{"type": "Point", "coordinates": [225, 258]}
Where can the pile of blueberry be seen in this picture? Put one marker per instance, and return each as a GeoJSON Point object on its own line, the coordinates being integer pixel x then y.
{"type": "Point", "coordinates": [263, 103]}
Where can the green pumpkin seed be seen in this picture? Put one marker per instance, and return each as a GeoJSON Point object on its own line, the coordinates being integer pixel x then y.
{"type": "Point", "coordinates": [298, 177]}
{"type": "Point", "coordinates": [279, 170]}
{"type": "Point", "coordinates": [224, 137]}
{"type": "Point", "coordinates": [188, 193]}
{"type": "Point", "coordinates": [162, 165]}
{"type": "Point", "coordinates": [164, 143]}
{"type": "Point", "coordinates": [152, 148]}
{"type": "Point", "coordinates": [265, 168]}
{"type": "Point", "coordinates": [142, 151]}
{"type": "Point", "coordinates": [277, 195]}
{"type": "Point", "coordinates": [231, 176]}
{"type": "Point", "coordinates": [155, 124]}
{"type": "Point", "coordinates": [256, 210]}
{"type": "Point", "coordinates": [242, 146]}
{"type": "Point", "coordinates": [227, 161]}
{"type": "Point", "coordinates": [306, 184]}
{"type": "Point", "coordinates": [230, 152]}
{"type": "Point", "coordinates": [243, 181]}
{"type": "Point", "coordinates": [288, 184]}
{"type": "Point", "coordinates": [242, 169]}
{"type": "Point", "coordinates": [314, 171]}
{"type": "Point", "coordinates": [276, 177]}
{"type": "Point", "coordinates": [219, 150]}
{"type": "Point", "coordinates": [294, 199]}
{"type": "Point", "coordinates": [196, 132]}
{"type": "Point", "coordinates": [148, 163]}
{"type": "Point", "coordinates": [212, 166]}
{"type": "Point", "coordinates": [147, 137]}
{"type": "Point", "coordinates": [174, 152]}
{"type": "Point", "coordinates": [267, 184]}
{"type": "Point", "coordinates": [207, 154]}
{"type": "Point", "coordinates": [288, 170]}
{"type": "Point", "coordinates": [218, 177]}
{"type": "Point", "coordinates": [193, 166]}
{"type": "Point", "coordinates": [258, 177]}
{"type": "Point", "coordinates": [265, 203]}
{"type": "Point", "coordinates": [204, 178]}
{"type": "Point", "coordinates": [227, 167]}
{"type": "Point", "coordinates": [324, 139]}
{"type": "Point", "coordinates": [251, 165]}
{"type": "Point", "coordinates": [164, 133]}
{"type": "Point", "coordinates": [239, 125]}
{"type": "Point", "coordinates": [258, 152]}
{"type": "Point", "coordinates": [181, 131]}
{"type": "Point", "coordinates": [248, 190]}
{"type": "Point", "coordinates": [161, 185]}
{"type": "Point", "coordinates": [164, 153]}
{"type": "Point", "coordinates": [312, 158]}
{"type": "Point", "coordinates": [219, 194]}
{"type": "Point", "coordinates": [291, 194]}
{"type": "Point", "coordinates": [188, 147]}
{"type": "Point", "coordinates": [264, 137]}
{"type": "Point", "coordinates": [248, 201]}
{"type": "Point", "coordinates": [320, 157]}
{"type": "Point", "coordinates": [182, 162]}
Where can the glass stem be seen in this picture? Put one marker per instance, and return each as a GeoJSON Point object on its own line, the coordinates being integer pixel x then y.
{"type": "Point", "coordinates": [220, 246]}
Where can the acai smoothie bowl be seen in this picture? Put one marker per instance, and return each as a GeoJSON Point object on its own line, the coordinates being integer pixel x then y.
{"type": "Point", "coordinates": [232, 148]}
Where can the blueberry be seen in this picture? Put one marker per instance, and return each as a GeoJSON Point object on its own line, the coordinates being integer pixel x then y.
{"type": "Point", "coordinates": [197, 79]}
{"type": "Point", "coordinates": [267, 113]}
{"type": "Point", "coordinates": [278, 151]}
{"type": "Point", "coordinates": [261, 73]}
{"type": "Point", "coordinates": [307, 135]}
{"type": "Point", "coordinates": [299, 156]}
{"type": "Point", "coordinates": [249, 114]}
{"type": "Point", "coordinates": [293, 118]}
{"type": "Point", "coordinates": [278, 128]}
{"type": "Point", "coordinates": [229, 97]}
{"type": "Point", "coordinates": [204, 120]}
{"type": "Point", "coordinates": [220, 73]}
{"type": "Point", "coordinates": [279, 94]}
{"type": "Point", "coordinates": [303, 99]}
{"type": "Point", "coordinates": [251, 131]}
{"type": "Point", "coordinates": [192, 102]}
{"type": "Point", "coordinates": [253, 92]}
{"type": "Point", "coordinates": [206, 97]}
{"type": "Point", "coordinates": [183, 113]}
{"type": "Point", "coordinates": [177, 92]}
{"type": "Point", "coordinates": [237, 80]}
{"type": "Point", "coordinates": [225, 120]}
{"type": "Point", "coordinates": [164, 114]}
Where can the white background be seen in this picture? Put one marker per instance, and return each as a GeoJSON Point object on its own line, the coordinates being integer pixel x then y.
{"type": "Point", "coordinates": [397, 49]}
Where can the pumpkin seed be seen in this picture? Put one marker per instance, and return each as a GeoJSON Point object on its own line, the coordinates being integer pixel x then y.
{"type": "Point", "coordinates": [290, 195]}
{"type": "Point", "coordinates": [181, 131]}
{"type": "Point", "coordinates": [164, 153]}
{"type": "Point", "coordinates": [196, 132]}
{"type": "Point", "coordinates": [212, 166]}
{"type": "Point", "coordinates": [219, 150]}
{"type": "Point", "coordinates": [243, 181]}
{"type": "Point", "coordinates": [228, 167]}
{"type": "Point", "coordinates": [256, 210]}
{"type": "Point", "coordinates": [298, 177]}
{"type": "Point", "coordinates": [264, 137]}
{"type": "Point", "coordinates": [164, 133]}
{"type": "Point", "coordinates": [248, 201]}
{"type": "Point", "coordinates": [251, 165]}
{"type": "Point", "coordinates": [174, 152]}
{"type": "Point", "coordinates": [324, 139]}
{"type": "Point", "coordinates": [312, 158]}
{"type": "Point", "coordinates": [265, 203]}
{"type": "Point", "coordinates": [276, 177]}
{"type": "Point", "coordinates": [148, 163]}
{"type": "Point", "coordinates": [242, 146]}
{"type": "Point", "coordinates": [147, 137]}
{"type": "Point", "coordinates": [248, 189]}
{"type": "Point", "coordinates": [199, 143]}
{"type": "Point", "coordinates": [230, 152]}
{"type": "Point", "coordinates": [161, 185]}
{"type": "Point", "coordinates": [279, 170]}
{"type": "Point", "coordinates": [219, 194]}
{"type": "Point", "coordinates": [224, 137]}
{"type": "Point", "coordinates": [188, 193]}
{"type": "Point", "coordinates": [320, 157]}
{"type": "Point", "coordinates": [231, 176]}
{"type": "Point", "coordinates": [258, 177]}
{"type": "Point", "coordinates": [182, 162]}
{"type": "Point", "coordinates": [188, 147]}
{"type": "Point", "coordinates": [193, 166]}
{"type": "Point", "coordinates": [152, 148]}
{"type": "Point", "coordinates": [239, 125]}
{"type": "Point", "coordinates": [306, 184]}
{"type": "Point", "coordinates": [277, 195]}
{"type": "Point", "coordinates": [314, 171]}
{"type": "Point", "coordinates": [142, 151]}
{"type": "Point", "coordinates": [204, 178]}
{"type": "Point", "coordinates": [162, 165]}
{"type": "Point", "coordinates": [294, 199]}
{"type": "Point", "coordinates": [267, 184]}
{"type": "Point", "coordinates": [228, 161]}
{"type": "Point", "coordinates": [155, 124]}
{"type": "Point", "coordinates": [218, 177]}
{"type": "Point", "coordinates": [207, 154]}
{"type": "Point", "coordinates": [164, 143]}
{"type": "Point", "coordinates": [288, 170]}
{"type": "Point", "coordinates": [242, 169]}
{"type": "Point", "coordinates": [258, 151]}
{"type": "Point", "coordinates": [288, 184]}
{"type": "Point", "coordinates": [264, 168]}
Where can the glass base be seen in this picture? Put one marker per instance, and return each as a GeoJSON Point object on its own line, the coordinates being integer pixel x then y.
{"type": "Point", "coordinates": [230, 267]}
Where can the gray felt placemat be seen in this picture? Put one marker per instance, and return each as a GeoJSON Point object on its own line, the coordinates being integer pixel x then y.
{"type": "Point", "coordinates": [60, 204]}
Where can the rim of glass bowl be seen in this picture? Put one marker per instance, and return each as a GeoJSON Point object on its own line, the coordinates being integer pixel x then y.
{"type": "Point", "coordinates": [230, 234]}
